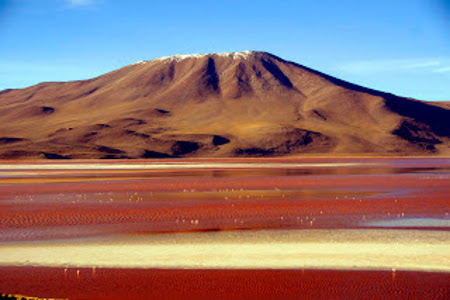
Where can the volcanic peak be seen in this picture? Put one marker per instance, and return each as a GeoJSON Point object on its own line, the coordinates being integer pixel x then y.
{"type": "Point", "coordinates": [248, 103]}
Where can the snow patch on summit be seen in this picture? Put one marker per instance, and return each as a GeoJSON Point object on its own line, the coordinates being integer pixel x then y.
{"type": "Point", "coordinates": [236, 55]}
{"type": "Point", "coordinates": [179, 57]}
{"type": "Point", "coordinates": [140, 62]}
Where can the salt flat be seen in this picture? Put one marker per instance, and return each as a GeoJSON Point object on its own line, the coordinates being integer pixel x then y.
{"type": "Point", "coordinates": [265, 249]}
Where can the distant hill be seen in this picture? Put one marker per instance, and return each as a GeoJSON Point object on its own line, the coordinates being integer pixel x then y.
{"type": "Point", "coordinates": [216, 105]}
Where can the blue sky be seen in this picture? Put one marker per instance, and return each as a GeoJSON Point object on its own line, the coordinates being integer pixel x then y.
{"type": "Point", "coordinates": [399, 46]}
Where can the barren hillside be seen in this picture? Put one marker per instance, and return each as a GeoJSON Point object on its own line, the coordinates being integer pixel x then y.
{"type": "Point", "coordinates": [215, 105]}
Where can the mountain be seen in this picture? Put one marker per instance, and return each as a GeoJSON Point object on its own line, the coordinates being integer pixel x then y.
{"type": "Point", "coordinates": [216, 105]}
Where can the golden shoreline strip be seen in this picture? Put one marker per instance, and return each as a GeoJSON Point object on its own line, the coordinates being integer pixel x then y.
{"type": "Point", "coordinates": [267, 249]}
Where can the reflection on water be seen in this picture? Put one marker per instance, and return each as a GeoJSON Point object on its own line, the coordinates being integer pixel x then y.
{"type": "Point", "coordinates": [14, 176]}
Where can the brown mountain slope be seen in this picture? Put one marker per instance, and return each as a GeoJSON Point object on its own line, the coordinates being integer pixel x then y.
{"type": "Point", "coordinates": [215, 105]}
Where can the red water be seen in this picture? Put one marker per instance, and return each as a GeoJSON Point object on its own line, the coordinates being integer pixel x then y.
{"type": "Point", "coordinates": [46, 206]}
{"type": "Point", "coordinates": [222, 284]}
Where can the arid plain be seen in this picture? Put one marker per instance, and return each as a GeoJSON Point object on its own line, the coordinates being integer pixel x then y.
{"type": "Point", "coordinates": [272, 227]}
